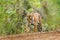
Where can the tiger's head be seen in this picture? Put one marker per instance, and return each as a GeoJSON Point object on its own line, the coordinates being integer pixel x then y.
{"type": "Point", "coordinates": [30, 19]}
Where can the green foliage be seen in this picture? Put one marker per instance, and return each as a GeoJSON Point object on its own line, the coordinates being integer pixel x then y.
{"type": "Point", "coordinates": [35, 3]}
{"type": "Point", "coordinates": [11, 21]}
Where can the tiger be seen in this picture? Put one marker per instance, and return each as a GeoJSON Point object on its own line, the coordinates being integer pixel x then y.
{"type": "Point", "coordinates": [35, 19]}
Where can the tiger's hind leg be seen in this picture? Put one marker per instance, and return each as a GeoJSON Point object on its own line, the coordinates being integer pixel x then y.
{"type": "Point", "coordinates": [39, 27]}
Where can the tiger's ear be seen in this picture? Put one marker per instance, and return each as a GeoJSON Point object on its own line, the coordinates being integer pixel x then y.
{"type": "Point", "coordinates": [28, 15]}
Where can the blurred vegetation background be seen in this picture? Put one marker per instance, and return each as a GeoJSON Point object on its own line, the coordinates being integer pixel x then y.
{"type": "Point", "coordinates": [13, 15]}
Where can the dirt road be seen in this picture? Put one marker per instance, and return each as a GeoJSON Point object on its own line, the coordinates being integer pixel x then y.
{"type": "Point", "coordinates": [34, 36]}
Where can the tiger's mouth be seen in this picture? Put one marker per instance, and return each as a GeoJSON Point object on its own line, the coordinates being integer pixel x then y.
{"type": "Point", "coordinates": [32, 24]}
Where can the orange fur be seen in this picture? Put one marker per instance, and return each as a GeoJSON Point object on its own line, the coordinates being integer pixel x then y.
{"type": "Point", "coordinates": [34, 18]}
